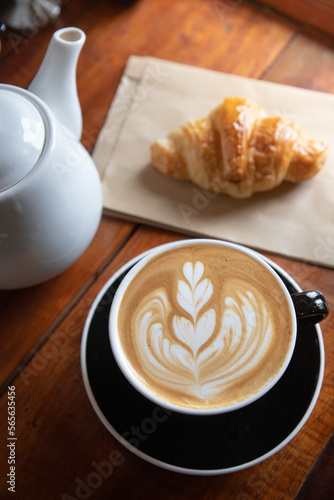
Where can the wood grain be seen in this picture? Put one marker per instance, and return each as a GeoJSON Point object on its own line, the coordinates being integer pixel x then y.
{"type": "Point", "coordinates": [29, 316]}
{"type": "Point", "coordinates": [307, 63]}
{"type": "Point", "coordinates": [52, 403]}
{"type": "Point", "coordinates": [218, 35]}
{"type": "Point", "coordinates": [60, 438]}
{"type": "Point", "coordinates": [321, 478]}
{"type": "Point", "coordinates": [318, 13]}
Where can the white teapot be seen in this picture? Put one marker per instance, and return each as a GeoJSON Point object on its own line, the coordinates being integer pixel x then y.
{"type": "Point", "coordinates": [50, 191]}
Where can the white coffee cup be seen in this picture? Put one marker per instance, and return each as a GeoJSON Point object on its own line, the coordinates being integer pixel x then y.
{"type": "Point", "coordinates": [205, 326]}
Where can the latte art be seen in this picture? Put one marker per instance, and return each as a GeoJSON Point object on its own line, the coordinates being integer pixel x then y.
{"type": "Point", "coordinates": [190, 358]}
{"type": "Point", "coordinates": [203, 334]}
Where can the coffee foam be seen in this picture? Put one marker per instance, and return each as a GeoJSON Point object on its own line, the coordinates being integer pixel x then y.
{"type": "Point", "coordinates": [204, 326]}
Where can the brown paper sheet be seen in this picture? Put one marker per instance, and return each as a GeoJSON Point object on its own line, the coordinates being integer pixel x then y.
{"type": "Point", "coordinates": [155, 96]}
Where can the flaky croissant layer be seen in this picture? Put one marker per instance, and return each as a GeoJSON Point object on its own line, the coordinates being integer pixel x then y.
{"type": "Point", "coordinates": [238, 150]}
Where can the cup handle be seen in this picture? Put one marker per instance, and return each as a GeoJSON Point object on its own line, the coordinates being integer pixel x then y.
{"type": "Point", "coordinates": [311, 306]}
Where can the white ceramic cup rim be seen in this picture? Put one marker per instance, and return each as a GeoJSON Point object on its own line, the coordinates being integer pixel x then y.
{"type": "Point", "coordinates": [125, 365]}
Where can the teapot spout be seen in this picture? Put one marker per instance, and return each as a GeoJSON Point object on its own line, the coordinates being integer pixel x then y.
{"type": "Point", "coordinates": [55, 81]}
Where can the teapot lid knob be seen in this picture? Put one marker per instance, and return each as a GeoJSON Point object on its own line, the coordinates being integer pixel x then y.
{"type": "Point", "coordinates": [22, 137]}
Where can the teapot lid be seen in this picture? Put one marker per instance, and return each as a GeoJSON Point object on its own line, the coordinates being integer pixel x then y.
{"type": "Point", "coordinates": [22, 136]}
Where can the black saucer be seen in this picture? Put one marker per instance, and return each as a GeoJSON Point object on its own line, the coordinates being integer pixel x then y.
{"type": "Point", "coordinates": [203, 444]}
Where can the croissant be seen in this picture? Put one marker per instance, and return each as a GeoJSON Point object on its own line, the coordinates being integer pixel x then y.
{"type": "Point", "coordinates": [238, 150]}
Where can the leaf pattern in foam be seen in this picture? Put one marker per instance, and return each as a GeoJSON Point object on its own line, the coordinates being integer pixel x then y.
{"type": "Point", "coordinates": [194, 296]}
{"type": "Point", "coordinates": [237, 351]}
{"type": "Point", "coordinates": [185, 297]}
{"type": "Point", "coordinates": [161, 357]}
{"type": "Point", "coordinates": [194, 335]}
{"type": "Point", "coordinates": [204, 328]}
{"type": "Point", "coordinates": [183, 365]}
{"type": "Point", "coordinates": [193, 273]}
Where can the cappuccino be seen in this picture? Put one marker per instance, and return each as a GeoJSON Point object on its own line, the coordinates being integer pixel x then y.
{"type": "Point", "coordinates": [203, 326]}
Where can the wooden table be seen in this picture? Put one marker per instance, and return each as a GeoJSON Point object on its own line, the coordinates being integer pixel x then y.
{"type": "Point", "coordinates": [59, 437]}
